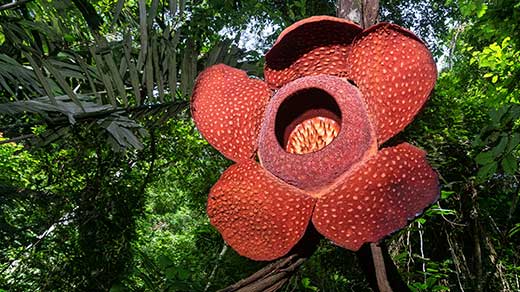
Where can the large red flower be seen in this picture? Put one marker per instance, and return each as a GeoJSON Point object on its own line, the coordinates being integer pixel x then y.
{"type": "Point", "coordinates": [332, 95]}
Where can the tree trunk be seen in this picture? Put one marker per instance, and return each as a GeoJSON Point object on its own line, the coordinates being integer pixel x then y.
{"type": "Point", "coordinates": [363, 12]}
{"type": "Point", "coordinates": [379, 269]}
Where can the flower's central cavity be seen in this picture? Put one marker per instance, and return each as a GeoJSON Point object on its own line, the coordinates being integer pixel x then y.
{"type": "Point", "coordinates": [315, 129]}
{"type": "Point", "coordinates": [307, 121]}
{"type": "Point", "coordinates": [312, 135]}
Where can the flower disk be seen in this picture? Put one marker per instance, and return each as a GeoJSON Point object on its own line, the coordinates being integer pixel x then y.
{"type": "Point", "coordinates": [308, 98]}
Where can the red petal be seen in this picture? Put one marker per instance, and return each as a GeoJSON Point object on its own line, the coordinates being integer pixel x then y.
{"type": "Point", "coordinates": [378, 198]}
{"type": "Point", "coordinates": [261, 217]}
{"type": "Point", "coordinates": [228, 108]}
{"type": "Point", "coordinates": [313, 46]}
{"type": "Point", "coordinates": [395, 73]}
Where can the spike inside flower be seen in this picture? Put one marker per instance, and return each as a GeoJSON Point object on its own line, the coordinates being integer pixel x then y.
{"type": "Point", "coordinates": [307, 121]}
{"type": "Point", "coordinates": [312, 135]}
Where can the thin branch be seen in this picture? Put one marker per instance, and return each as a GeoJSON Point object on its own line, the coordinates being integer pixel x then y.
{"type": "Point", "coordinates": [23, 137]}
{"type": "Point", "coordinates": [476, 232]}
{"type": "Point", "coordinates": [453, 44]}
{"type": "Point", "coordinates": [421, 247]}
{"type": "Point", "coordinates": [458, 270]}
{"type": "Point", "coordinates": [213, 272]}
{"type": "Point", "coordinates": [448, 220]}
{"type": "Point", "coordinates": [499, 266]}
{"type": "Point", "coordinates": [13, 4]}
{"type": "Point", "coordinates": [410, 253]}
{"type": "Point", "coordinates": [64, 220]}
{"type": "Point", "coordinates": [153, 159]}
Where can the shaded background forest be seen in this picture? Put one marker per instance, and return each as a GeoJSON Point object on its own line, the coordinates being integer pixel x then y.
{"type": "Point", "coordinates": [103, 177]}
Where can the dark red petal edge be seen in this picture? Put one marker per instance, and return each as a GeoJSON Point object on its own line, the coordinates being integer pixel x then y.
{"type": "Point", "coordinates": [258, 215]}
{"type": "Point", "coordinates": [395, 72]}
{"type": "Point", "coordinates": [378, 198]}
{"type": "Point", "coordinates": [228, 108]}
{"type": "Point", "coordinates": [312, 46]}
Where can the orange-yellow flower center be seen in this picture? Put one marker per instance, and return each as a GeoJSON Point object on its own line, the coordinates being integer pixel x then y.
{"type": "Point", "coordinates": [312, 135]}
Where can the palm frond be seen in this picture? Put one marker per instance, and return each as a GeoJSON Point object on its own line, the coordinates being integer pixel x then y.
{"type": "Point", "coordinates": [116, 83]}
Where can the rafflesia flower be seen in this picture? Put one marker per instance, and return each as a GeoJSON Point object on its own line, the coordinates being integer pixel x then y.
{"type": "Point", "coordinates": [308, 141]}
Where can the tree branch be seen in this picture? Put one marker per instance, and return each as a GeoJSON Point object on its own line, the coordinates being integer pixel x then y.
{"type": "Point", "coordinates": [13, 4]}
{"type": "Point", "coordinates": [213, 272]}
{"type": "Point", "coordinates": [273, 276]}
{"type": "Point", "coordinates": [137, 112]}
{"type": "Point", "coordinates": [269, 278]}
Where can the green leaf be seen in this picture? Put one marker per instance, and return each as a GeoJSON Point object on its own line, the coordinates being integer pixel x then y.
{"type": "Point", "coordinates": [107, 83]}
{"type": "Point", "coordinates": [499, 149]}
{"type": "Point", "coordinates": [183, 274]}
{"type": "Point", "coordinates": [487, 170]}
{"type": "Point", "coordinates": [497, 114]}
{"type": "Point", "coordinates": [514, 141]}
{"type": "Point", "coordinates": [170, 273]}
{"type": "Point", "coordinates": [446, 194]}
{"type": "Point", "coordinates": [494, 79]}
{"type": "Point", "coordinates": [164, 262]}
{"type": "Point", "coordinates": [509, 164]}
{"type": "Point", "coordinates": [44, 82]}
{"type": "Point", "coordinates": [115, 77]}
{"type": "Point", "coordinates": [481, 10]}
{"type": "Point", "coordinates": [63, 83]}
{"type": "Point", "coordinates": [134, 75]}
{"type": "Point", "coordinates": [306, 283]}
{"type": "Point", "coordinates": [118, 287]}
{"type": "Point", "coordinates": [505, 42]}
{"type": "Point", "coordinates": [514, 230]}
{"type": "Point", "coordinates": [484, 158]}
{"type": "Point", "coordinates": [143, 24]}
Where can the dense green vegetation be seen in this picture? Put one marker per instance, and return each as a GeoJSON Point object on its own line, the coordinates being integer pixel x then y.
{"type": "Point", "coordinates": [104, 178]}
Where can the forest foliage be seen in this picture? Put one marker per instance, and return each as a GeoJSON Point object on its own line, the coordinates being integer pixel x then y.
{"type": "Point", "coordinates": [104, 178]}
